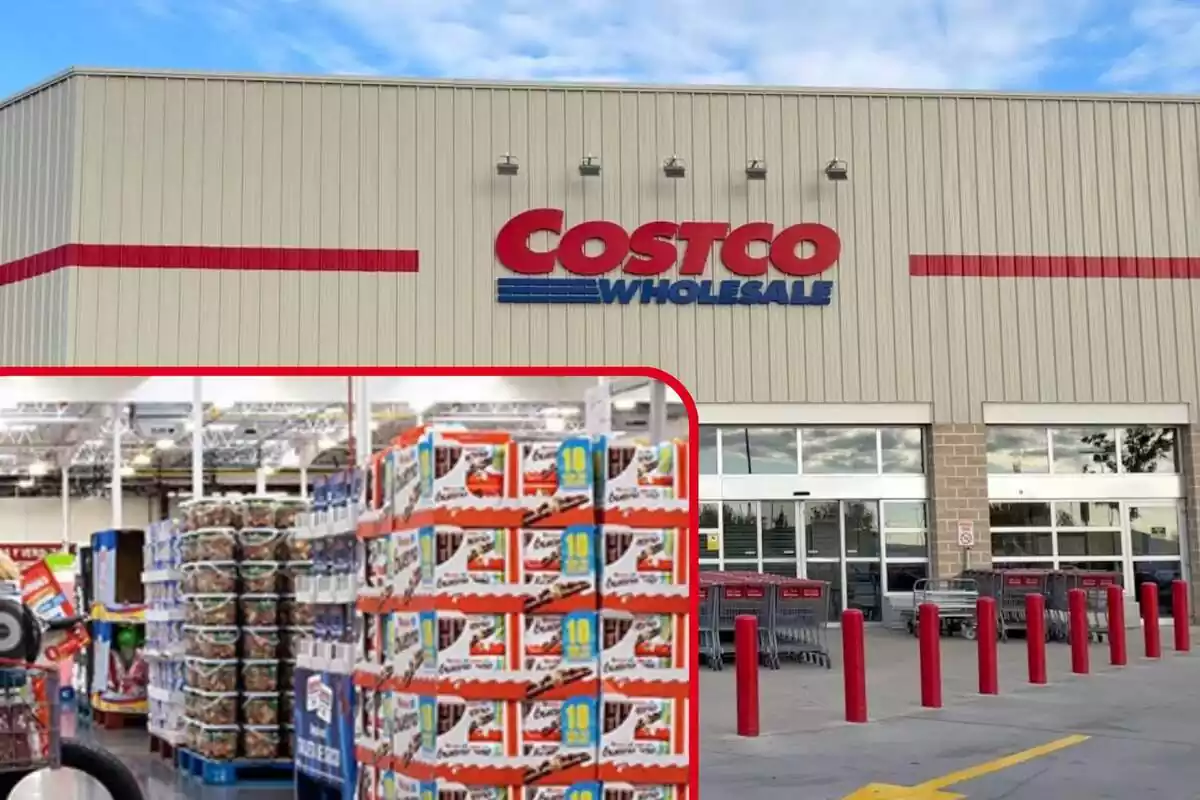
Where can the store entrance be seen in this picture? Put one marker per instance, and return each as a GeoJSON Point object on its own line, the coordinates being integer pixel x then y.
{"type": "Point", "coordinates": [864, 549]}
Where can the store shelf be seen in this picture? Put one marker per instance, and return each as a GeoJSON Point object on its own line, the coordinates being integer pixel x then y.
{"type": "Point", "coordinates": [127, 615]}
{"type": "Point", "coordinates": [164, 695]}
{"type": "Point", "coordinates": [160, 576]}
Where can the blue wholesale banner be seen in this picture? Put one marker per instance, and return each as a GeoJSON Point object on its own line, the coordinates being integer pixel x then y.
{"type": "Point", "coordinates": [324, 719]}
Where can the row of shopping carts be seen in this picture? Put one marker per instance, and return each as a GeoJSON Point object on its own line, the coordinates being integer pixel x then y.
{"type": "Point", "coordinates": [956, 599]}
{"type": "Point", "coordinates": [793, 617]}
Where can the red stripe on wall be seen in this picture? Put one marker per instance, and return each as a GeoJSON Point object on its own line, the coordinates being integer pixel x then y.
{"type": "Point", "coordinates": [268, 259]}
{"type": "Point", "coordinates": [1026, 266]}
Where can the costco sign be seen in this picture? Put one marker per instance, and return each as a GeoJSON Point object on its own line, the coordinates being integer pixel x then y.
{"type": "Point", "coordinates": [625, 266]}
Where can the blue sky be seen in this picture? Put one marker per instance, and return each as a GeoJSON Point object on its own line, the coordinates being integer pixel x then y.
{"type": "Point", "coordinates": [1066, 45]}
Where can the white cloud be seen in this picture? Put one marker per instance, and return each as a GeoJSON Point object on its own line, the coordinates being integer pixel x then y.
{"type": "Point", "coordinates": [894, 43]}
{"type": "Point", "coordinates": [1167, 59]}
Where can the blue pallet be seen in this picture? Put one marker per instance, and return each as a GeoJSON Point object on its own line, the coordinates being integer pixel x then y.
{"type": "Point", "coordinates": [233, 773]}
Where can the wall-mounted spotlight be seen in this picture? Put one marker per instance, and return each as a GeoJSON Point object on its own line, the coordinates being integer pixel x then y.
{"type": "Point", "coordinates": [589, 165]}
{"type": "Point", "coordinates": [756, 169]}
{"type": "Point", "coordinates": [507, 165]}
{"type": "Point", "coordinates": [675, 167]}
{"type": "Point", "coordinates": [837, 170]}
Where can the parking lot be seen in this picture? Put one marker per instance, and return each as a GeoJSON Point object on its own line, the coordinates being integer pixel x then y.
{"type": "Point", "coordinates": [1139, 722]}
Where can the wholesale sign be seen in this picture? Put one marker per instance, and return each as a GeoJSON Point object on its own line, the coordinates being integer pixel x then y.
{"type": "Point", "coordinates": [626, 266]}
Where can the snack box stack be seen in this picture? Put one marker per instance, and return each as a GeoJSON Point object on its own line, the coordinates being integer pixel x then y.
{"type": "Point", "coordinates": [234, 555]}
{"type": "Point", "coordinates": [644, 616]}
{"type": "Point", "coordinates": [295, 615]}
{"type": "Point", "coordinates": [490, 629]}
{"type": "Point", "coordinates": [164, 630]}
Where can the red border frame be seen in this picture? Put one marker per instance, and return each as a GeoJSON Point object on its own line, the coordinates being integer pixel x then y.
{"type": "Point", "coordinates": [654, 373]}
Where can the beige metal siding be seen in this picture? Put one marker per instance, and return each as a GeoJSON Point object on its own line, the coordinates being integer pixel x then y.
{"type": "Point", "coordinates": [37, 147]}
{"type": "Point", "coordinates": [324, 164]}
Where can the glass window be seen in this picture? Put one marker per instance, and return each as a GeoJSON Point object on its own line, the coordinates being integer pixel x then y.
{"type": "Point", "coordinates": [786, 569]}
{"type": "Point", "coordinates": [1020, 544]}
{"type": "Point", "coordinates": [1162, 573]}
{"type": "Point", "coordinates": [1020, 515]}
{"type": "Point", "coordinates": [779, 530]}
{"type": "Point", "coordinates": [740, 530]}
{"type": "Point", "coordinates": [710, 566]}
{"type": "Point", "coordinates": [758, 451]}
{"type": "Point", "coordinates": [710, 515]}
{"type": "Point", "coordinates": [821, 525]}
{"type": "Point", "coordinates": [862, 528]}
{"type": "Point", "coordinates": [904, 577]}
{"type": "Point", "coordinates": [1093, 566]}
{"type": "Point", "coordinates": [1017, 450]}
{"type": "Point", "coordinates": [903, 451]}
{"type": "Point", "coordinates": [1154, 530]}
{"type": "Point", "coordinates": [1146, 449]}
{"type": "Point", "coordinates": [904, 515]}
{"type": "Point", "coordinates": [708, 450]}
{"type": "Point", "coordinates": [906, 544]}
{"type": "Point", "coordinates": [832, 574]}
{"type": "Point", "coordinates": [710, 544]}
{"type": "Point", "coordinates": [1089, 543]}
{"type": "Point", "coordinates": [1087, 515]}
{"type": "Point", "coordinates": [1085, 451]}
{"type": "Point", "coordinates": [840, 451]}
{"type": "Point", "coordinates": [863, 589]}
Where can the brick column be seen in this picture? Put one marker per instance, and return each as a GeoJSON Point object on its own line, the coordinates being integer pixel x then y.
{"type": "Point", "coordinates": [1190, 452]}
{"type": "Point", "coordinates": [958, 491]}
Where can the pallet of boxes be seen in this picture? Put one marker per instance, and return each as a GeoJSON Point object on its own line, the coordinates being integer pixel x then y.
{"type": "Point", "coordinates": [482, 672]}
{"type": "Point", "coordinates": [239, 560]}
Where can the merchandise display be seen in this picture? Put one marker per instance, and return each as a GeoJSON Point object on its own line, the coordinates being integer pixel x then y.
{"type": "Point", "coordinates": [164, 630]}
{"type": "Point", "coordinates": [236, 556]}
{"type": "Point", "coordinates": [120, 670]}
{"type": "Point", "coordinates": [525, 623]}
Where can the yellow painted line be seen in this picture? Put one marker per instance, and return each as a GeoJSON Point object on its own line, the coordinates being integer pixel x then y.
{"type": "Point", "coordinates": [933, 789]}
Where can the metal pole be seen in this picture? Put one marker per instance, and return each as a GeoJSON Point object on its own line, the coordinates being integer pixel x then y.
{"type": "Point", "coordinates": [117, 466]}
{"type": "Point", "coordinates": [304, 482]}
{"type": "Point", "coordinates": [260, 481]}
{"type": "Point", "coordinates": [65, 470]}
{"type": "Point", "coordinates": [362, 421]}
{"type": "Point", "coordinates": [197, 438]}
{"type": "Point", "coordinates": [658, 411]}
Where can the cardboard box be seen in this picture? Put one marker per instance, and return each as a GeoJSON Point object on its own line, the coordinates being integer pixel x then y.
{"type": "Point", "coordinates": [644, 564]}
{"type": "Point", "coordinates": [559, 738]}
{"type": "Point", "coordinates": [628, 791]}
{"type": "Point", "coordinates": [457, 560]}
{"type": "Point", "coordinates": [557, 482]}
{"type": "Point", "coordinates": [407, 647]}
{"type": "Point", "coordinates": [464, 646]}
{"type": "Point", "coordinates": [560, 655]}
{"type": "Point", "coordinates": [640, 476]}
{"type": "Point", "coordinates": [640, 645]}
{"type": "Point", "coordinates": [639, 730]}
{"type": "Point", "coordinates": [405, 727]}
{"type": "Point", "coordinates": [559, 569]}
{"type": "Point", "coordinates": [406, 565]}
{"type": "Point", "coordinates": [464, 470]}
{"type": "Point", "coordinates": [457, 731]}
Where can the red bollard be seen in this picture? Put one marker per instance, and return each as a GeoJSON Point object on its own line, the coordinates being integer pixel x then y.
{"type": "Point", "coordinates": [1179, 612]}
{"type": "Point", "coordinates": [1077, 630]}
{"type": "Point", "coordinates": [854, 665]}
{"type": "Point", "coordinates": [1153, 638]}
{"type": "Point", "coordinates": [745, 643]}
{"type": "Point", "coordinates": [1035, 637]}
{"type": "Point", "coordinates": [929, 631]}
{"type": "Point", "coordinates": [1116, 626]}
{"type": "Point", "coordinates": [985, 630]}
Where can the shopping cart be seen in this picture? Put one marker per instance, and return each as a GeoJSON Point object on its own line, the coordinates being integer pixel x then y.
{"type": "Point", "coordinates": [30, 719]}
{"type": "Point", "coordinates": [1014, 586]}
{"type": "Point", "coordinates": [740, 594]}
{"type": "Point", "coordinates": [955, 599]}
{"type": "Point", "coordinates": [1094, 584]}
{"type": "Point", "coordinates": [800, 621]}
{"type": "Point", "coordinates": [709, 632]}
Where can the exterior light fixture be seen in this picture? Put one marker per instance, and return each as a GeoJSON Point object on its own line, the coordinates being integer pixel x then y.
{"type": "Point", "coordinates": [675, 167]}
{"type": "Point", "coordinates": [507, 165]}
{"type": "Point", "coordinates": [589, 166]}
{"type": "Point", "coordinates": [756, 169]}
{"type": "Point", "coordinates": [837, 170]}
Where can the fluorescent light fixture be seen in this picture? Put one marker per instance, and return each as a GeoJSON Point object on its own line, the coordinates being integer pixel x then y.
{"type": "Point", "coordinates": [555, 424]}
{"type": "Point", "coordinates": [268, 470]}
{"type": "Point", "coordinates": [141, 460]}
{"type": "Point", "coordinates": [223, 404]}
{"type": "Point", "coordinates": [625, 405]}
{"type": "Point", "coordinates": [38, 468]}
{"type": "Point", "coordinates": [164, 444]}
{"type": "Point", "coordinates": [290, 459]}
{"type": "Point", "coordinates": [128, 471]}
{"type": "Point", "coordinates": [25, 483]}
{"type": "Point", "coordinates": [326, 443]}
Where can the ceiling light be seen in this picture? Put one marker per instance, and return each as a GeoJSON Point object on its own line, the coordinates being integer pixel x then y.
{"type": "Point", "coordinates": [374, 425]}
{"type": "Point", "coordinates": [555, 424]}
{"type": "Point", "coordinates": [223, 405]}
{"type": "Point", "coordinates": [39, 468]}
{"type": "Point", "coordinates": [268, 470]}
{"type": "Point", "coordinates": [326, 443]}
{"type": "Point", "coordinates": [25, 483]}
{"type": "Point", "coordinates": [141, 460]}
{"type": "Point", "coordinates": [128, 471]}
{"type": "Point", "coordinates": [164, 444]}
{"type": "Point", "coordinates": [625, 405]}
{"type": "Point", "coordinates": [290, 459]}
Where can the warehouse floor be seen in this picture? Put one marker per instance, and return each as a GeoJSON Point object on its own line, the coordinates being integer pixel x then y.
{"type": "Point", "coordinates": [158, 780]}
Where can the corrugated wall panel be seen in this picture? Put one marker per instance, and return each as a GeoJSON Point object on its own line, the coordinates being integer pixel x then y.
{"type": "Point", "coordinates": [37, 164]}
{"type": "Point", "coordinates": [215, 161]}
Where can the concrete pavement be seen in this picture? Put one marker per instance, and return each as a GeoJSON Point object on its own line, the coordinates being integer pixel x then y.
{"type": "Point", "coordinates": [1141, 723]}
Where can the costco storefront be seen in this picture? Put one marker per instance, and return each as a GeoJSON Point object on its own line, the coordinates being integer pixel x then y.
{"type": "Point", "coordinates": [921, 329]}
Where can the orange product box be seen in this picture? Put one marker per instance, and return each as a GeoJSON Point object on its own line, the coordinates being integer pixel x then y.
{"type": "Point", "coordinates": [471, 655]}
{"type": "Point", "coordinates": [404, 487]}
{"type": "Point", "coordinates": [640, 482]}
{"type": "Point", "coordinates": [458, 731]}
{"type": "Point", "coordinates": [405, 728]}
{"type": "Point", "coordinates": [407, 650]}
{"type": "Point", "coordinates": [559, 569]}
{"type": "Point", "coordinates": [559, 740]}
{"type": "Point", "coordinates": [644, 569]}
{"type": "Point", "coordinates": [470, 569]}
{"type": "Point", "coordinates": [557, 482]}
{"type": "Point", "coordinates": [629, 791]}
{"type": "Point", "coordinates": [643, 739]}
{"type": "Point", "coordinates": [560, 657]}
{"type": "Point", "coordinates": [644, 653]}
{"type": "Point", "coordinates": [466, 471]}
{"type": "Point", "coordinates": [405, 559]}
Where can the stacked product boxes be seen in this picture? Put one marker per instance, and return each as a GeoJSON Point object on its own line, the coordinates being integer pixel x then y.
{"type": "Point", "coordinates": [236, 554]}
{"type": "Point", "coordinates": [492, 664]}
{"type": "Point", "coordinates": [164, 631]}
